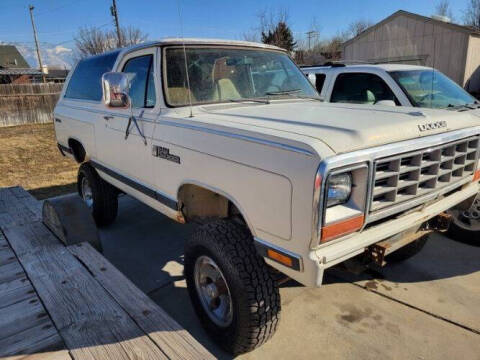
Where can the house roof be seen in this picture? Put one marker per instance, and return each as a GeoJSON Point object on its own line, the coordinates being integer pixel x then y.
{"type": "Point", "coordinates": [19, 72]}
{"type": "Point", "coordinates": [10, 58]}
{"type": "Point", "coordinates": [56, 73]}
{"type": "Point", "coordinates": [462, 28]}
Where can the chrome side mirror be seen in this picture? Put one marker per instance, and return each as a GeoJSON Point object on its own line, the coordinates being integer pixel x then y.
{"type": "Point", "coordinates": [115, 86]}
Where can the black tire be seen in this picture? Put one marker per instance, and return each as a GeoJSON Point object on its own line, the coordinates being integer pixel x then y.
{"type": "Point", "coordinates": [466, 229]}
{"type": "Point", "coordinates": [407, 251]}
{"type": "Point", "coordinates": [105, 196]}
{"type": "Point", "coordinates": [254, 292]}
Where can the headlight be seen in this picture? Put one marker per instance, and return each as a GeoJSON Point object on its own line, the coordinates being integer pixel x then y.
{"type": "Point", "coordinates": [339, 189]}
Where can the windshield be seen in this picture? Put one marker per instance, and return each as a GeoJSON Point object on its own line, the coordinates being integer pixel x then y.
{"type": "Point", "coordinates": [224, 75]}
{"type": "Point", "coordinates": [431, 89]}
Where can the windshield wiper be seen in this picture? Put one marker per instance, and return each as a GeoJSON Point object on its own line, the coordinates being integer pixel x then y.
{"type": "Point", "coordinates": [464, 107]}
{"type": "Point", "coordinates": [257, 100]}
{"type": "Point", "coordinates": [283, 92]}
{"type": "Point", "coordinates": [292, 92]}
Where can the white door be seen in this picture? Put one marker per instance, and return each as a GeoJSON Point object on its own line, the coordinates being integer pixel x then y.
{"type": "Point", "coordinates": [132, 145]}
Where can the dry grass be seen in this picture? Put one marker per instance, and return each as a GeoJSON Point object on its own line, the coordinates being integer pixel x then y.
{"type": "Point", "coordinates": [29, 158]}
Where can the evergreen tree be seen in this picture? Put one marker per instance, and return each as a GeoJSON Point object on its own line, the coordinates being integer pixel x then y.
{"type": "Point", "coordinates": [280, 36]}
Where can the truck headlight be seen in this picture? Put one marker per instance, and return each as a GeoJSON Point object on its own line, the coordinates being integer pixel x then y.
{"type": "Point", "coordinates": [339, 189]}
{"type": "Point", "coordinates": [340, 200]}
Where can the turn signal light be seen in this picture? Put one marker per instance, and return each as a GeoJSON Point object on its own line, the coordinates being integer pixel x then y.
{"type": "Point", "coordinates": [333, 231]}
{"type": "Point", "coordinates": [282, 259]}
{"type": "Point", "coordinates": [476, 177]}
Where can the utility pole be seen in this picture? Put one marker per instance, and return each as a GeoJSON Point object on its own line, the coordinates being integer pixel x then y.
{"type": "Point", "coordinates": [113, 10]}
{"type": "Point", "coordinates": [30, 7]}
{"type": "Point", "coordinates": [311, 34]}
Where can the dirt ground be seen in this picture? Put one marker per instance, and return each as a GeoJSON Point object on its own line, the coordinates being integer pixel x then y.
{"type": "Point", "coordinates": [29, 157]}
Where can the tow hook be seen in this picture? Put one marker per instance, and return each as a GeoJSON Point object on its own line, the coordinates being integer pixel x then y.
{"type": "Point", "coordinates": [377, 252]}
{"type": "Point", "coordinates": [439, 223]}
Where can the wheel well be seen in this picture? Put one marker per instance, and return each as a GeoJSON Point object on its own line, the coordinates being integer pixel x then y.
{"type": "Point", "coordinates": [78, 150]}
{"type": "Point", "coordinates": [200, 204]}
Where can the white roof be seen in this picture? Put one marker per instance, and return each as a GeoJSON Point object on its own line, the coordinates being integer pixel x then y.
{"type": "Point", "coordinates": [201, 41]}
{"type": "Point", "coordinates": [385, 67]}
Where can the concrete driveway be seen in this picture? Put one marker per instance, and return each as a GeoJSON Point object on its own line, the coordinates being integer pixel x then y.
{"type": "Point", "coordinates": [426, 308]}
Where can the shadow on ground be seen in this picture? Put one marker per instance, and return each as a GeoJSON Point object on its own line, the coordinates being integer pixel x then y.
{"type": "Point", "coordinates": [148, 248]}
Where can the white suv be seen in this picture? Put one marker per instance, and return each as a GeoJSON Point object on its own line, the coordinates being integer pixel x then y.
{"type": "Point", "coordinates": [390, 84]}
{"type": "Point", "coordinates": [231, 135]}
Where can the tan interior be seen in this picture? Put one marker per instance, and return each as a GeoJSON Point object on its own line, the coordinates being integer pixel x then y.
{"type": "Point", "coordinates": [224, 87]}
{"type": "Point", "coordinates": [180, 96]}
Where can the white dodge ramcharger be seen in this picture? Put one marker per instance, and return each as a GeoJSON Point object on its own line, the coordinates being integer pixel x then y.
{"type": "Point", "coordinates": [232, 135]}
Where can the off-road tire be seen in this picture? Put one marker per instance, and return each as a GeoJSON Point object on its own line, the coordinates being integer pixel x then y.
{"type": "Point", "coordinates": [465, 236]}
{"type": "Point", "coordinates": [254, 292]}
{"type": "Point", "coordinates": [407, 251]}
{"type": "Point", "coordinates": [105, 196]}
{"type": "Point", "coordinates": [463, 232]}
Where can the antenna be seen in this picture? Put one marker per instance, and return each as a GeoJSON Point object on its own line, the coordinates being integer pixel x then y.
{"type": "Point", "coordinates": [433, 68]}
{"type": "Point", "coordinates": [185, 58]}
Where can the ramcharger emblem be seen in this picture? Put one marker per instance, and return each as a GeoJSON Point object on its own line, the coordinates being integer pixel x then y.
{"type": "Point", "coordinates": [164, 153]}
{"type": "Point", "coordinates": [433, 126]}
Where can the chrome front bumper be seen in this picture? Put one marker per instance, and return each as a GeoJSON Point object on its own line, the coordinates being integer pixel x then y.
{"type": "Point", "coordinates": [355, 244]}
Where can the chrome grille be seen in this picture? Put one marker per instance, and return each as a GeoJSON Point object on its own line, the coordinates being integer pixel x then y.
{"type": "Point", "coordinates": [406, 176]}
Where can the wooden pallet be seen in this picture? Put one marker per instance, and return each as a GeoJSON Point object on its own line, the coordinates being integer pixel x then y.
{"type": "Point", "coordinates": [70, 302]}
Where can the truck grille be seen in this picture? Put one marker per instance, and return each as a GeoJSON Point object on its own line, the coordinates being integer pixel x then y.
{"type": "Point", "coordinates": [406, 176]}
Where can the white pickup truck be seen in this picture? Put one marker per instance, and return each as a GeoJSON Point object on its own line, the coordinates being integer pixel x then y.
{"type": "Point", "coordinates": [232, 135]}
{"type": "Point", "coordinates": [400, 85]}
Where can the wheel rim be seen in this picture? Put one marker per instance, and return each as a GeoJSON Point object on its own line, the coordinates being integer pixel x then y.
{"type": "Point", "coordinates": [469, 219]}
{"type": "Point", "coordinates": [87, 194]}
{"type": "Point", "coordinates": [213, 291]}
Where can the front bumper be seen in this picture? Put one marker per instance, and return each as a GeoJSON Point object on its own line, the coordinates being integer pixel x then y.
{"type": "Point", "coordinates": [355, 244]}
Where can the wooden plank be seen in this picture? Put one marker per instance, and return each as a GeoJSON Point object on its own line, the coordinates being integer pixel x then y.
{"type": "Point", "coordinates": [3, 241]}
{"type": "Point", "coordinates": [175, 341]}
{"type": "Point", "coordinates": [91, 323]}
{"type": "Point", "coordinates": [6, 256]}
{"type": "Point", "coordinates": [16, 211]}
{"type": "Point", "coordinates": [19, 192]}
{"type": "Point", "coordinates": [22, 315]}
{"type": "Point", "coordinates": [24, 197]}
{"type": "Point", "coordinates": [50, 355]}
{"type": "Point", "coordinates": [15, 295]}
{"type": "Point", "coordinates": [32, 340]}
{"type": "Point", "coordinates": [15, 283]}
{"type": "Point", "coordinates": [12, 271]}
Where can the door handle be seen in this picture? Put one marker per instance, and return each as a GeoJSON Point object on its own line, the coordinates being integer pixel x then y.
{"type": "Point", "coordinates": [108, 117]}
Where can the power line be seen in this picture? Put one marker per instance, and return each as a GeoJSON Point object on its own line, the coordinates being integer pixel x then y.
{"type": "Point", "coordinates": [30, 7]}
{"type": "Point", "coordinates": [113, 10]}
{"type": "Point", "coordinates": [310, 35]}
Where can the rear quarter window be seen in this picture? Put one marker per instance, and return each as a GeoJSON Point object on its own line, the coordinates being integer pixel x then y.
{"type": "Point", "coordinates": [319, 82]}
{"type": "Point", "coordinates": [86, 80]}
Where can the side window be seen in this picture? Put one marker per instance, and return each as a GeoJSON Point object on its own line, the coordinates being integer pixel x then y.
{"type": "Point", "coordinates": [319, 81]}
{"type": "Point", "coordinates": [86, 80]}
{"type": "Point", "coordinates": [142, 90]}
{"type": "Point", "coordinates": [361, 88]}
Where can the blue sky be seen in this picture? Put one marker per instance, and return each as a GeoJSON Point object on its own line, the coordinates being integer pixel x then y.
{"type": "Point", "coordinates": [58, 21]}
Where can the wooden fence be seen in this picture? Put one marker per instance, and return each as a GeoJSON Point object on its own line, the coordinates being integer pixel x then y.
{"type": "Point", "coordinates": [27, 103]}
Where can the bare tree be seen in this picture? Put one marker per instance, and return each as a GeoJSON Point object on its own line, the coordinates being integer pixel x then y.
{"type": "Point", "coordinates": [250, 36]}
{"type": "Point", "coordinates": [94, 40]}
{"type": "Point", "coordinates": [443, 8]}
{"type": "Point", "coordinates": [472, 14]}
{"type": "Point", "coordinates": [269, 19]}
{"type": "Point", "coordinates": [357, 27]}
